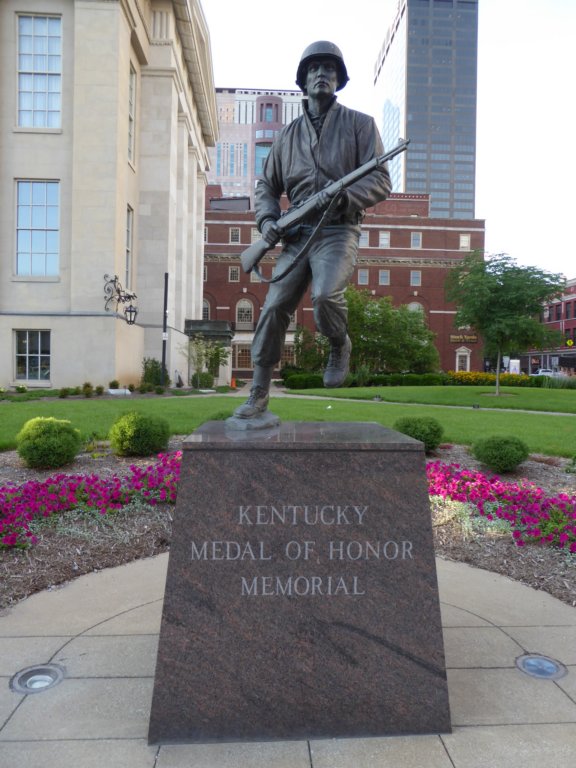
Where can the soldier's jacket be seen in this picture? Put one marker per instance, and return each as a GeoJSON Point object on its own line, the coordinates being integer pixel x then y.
{"type": "Point", "coordinates": [301, 164]}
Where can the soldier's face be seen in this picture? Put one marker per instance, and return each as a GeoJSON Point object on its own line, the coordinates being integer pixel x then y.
{"type": "Point", "coordinates": [321, 77]}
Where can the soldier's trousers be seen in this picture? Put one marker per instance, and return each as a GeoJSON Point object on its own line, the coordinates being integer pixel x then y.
{"type": "Point", "coordinates": [328, 266]}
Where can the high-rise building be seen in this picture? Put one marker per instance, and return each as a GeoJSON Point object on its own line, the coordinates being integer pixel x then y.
{"type": "Point", "coordinates": [248, 121]}
{"type": "Point", "coordinates": [426, 82]}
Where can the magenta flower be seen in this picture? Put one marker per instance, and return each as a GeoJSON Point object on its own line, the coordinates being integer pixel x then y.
{"type": "Point", "coordinates": [533, 517]}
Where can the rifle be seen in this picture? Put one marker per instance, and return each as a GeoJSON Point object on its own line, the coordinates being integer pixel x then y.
{"type": "Point", "coordinates": [252, 256]}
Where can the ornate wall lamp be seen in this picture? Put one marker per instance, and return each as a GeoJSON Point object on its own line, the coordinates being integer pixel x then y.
{"type": "Point", "coordinates": [113, 292]}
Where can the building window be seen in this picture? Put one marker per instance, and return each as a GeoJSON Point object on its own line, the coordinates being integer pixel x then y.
{"type": "Point", "coordinates": [567, 310]}
{"type": "Point", "coordinates": [33, 355]}
{"type": "Point", "coordinates": [363, 277]}
{"type": "Point", "coordinates": [254, 276]}
{"type": "Point", "coordinates": [383, 277]}
{"type": "Point", "coordinates": [364, 241]}
{"type": "Point", "coordinates": [287, 357]}
{"type": "Point", "coordinates": [234, 234]}
{"type": "Point", "coordinates": [255, 235]}
{"type": "Point", "coordinates": [415, 306]}
{"type": "Point", "coordinates": [233, 274]}
{"type": "Point", "coordinates": [131, 113]}
{"type": "Point", "coordinates": [39, 71]}
{"type": "Point", "coordinates": [242, 357]}
{"type": "Point", "coordinates": [415, 277]}
{"type": "Point", "coordinates": [37, 224]}
{"type": "Point", "coordinates": [384, 239]}
{"type": "Point", "coordinates": [205, 273]}
{"type": "Point", "coordinates": [205, 234]}
{"type": "Point", "coordinates": [415, 239]}
{"type": "Point", "coordinates": [558, 311]}
{"type": "Point", "coordinates": [205, 310]}
{"type": "Point", "coordinates": [462, 359]}
{"type": "Point", "coordinates": [261, 152]}
{"type": "Point", "coordinates": [464, 242]}
{"type": "Point", "coordinates": [129, 243]}
{"type": "Point", "coordinates": [244, 315]}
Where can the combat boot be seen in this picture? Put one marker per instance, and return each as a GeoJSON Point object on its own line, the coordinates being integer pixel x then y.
{"type": "Point", "coordinates": [338, 364]}
{"type": "Point", "coordinates": [258, 399]}
{"type": "Point", "coordinates": [255, 405]}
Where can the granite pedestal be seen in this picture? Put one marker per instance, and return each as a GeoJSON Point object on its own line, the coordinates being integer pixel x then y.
{"type": "Point", "coordinates": [301, 598]}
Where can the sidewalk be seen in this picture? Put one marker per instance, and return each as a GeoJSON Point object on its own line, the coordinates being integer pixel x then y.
{"type": "Point", "coordinates": [103, 629]}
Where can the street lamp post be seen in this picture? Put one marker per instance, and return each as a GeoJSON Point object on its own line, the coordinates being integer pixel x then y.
{"type": "Point", "coordinates": [164, 330]}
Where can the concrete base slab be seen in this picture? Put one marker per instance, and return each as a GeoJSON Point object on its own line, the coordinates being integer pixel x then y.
{"type": "Point", "coordinates": [513, 721]}
{"type": "Point", "coordinates": [280, 754]}
{"type": "Point", "coordinates": [400, 752]}
{"type": "Point", "coordinates": [513, 746]}
{"type": "Point", "coordinates": [77, 754]}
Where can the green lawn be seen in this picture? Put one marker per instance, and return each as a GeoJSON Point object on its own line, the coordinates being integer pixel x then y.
{"type": "Point", "coordinates": [516, 398]}
{"type": "Point", "coordinates": [542, 432]}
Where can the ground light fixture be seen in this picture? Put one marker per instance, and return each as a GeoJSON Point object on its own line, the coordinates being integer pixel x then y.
{"type": "Point", "coordinates": [542, 667]}
{"type": "Point", "coordinates": [37, 679]}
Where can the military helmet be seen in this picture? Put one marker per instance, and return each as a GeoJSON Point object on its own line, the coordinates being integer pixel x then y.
{"type": "Point", "coordinates": [322, 49]}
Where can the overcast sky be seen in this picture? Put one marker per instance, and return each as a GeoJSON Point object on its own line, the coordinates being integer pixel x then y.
{"type": "Point", "coordinates": [526, 140]}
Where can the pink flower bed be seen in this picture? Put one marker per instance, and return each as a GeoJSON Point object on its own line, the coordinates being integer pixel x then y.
{"type": "Point", "coordinates": [533, 517]}
{"type": "Point", "coordinates": [20, 505]}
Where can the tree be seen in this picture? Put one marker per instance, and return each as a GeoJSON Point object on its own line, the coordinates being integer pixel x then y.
{"type": "Point", "coordinates": [310, 349]}
{"type": "Point", "coordinates": [502, 302]}
{"type": "Point", "coordinates": [204, 355]}
{"type": "Point", "coordinates": [385, 338]}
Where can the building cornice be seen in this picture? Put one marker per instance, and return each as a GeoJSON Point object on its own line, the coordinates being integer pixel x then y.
{"type": "Point", "coordinates": [195, 40]}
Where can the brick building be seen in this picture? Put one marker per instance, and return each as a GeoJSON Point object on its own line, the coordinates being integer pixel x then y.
{"type": "Point", "coordinates": [558, 315]}
{"type": "Point", "coordinates": [404, 254]}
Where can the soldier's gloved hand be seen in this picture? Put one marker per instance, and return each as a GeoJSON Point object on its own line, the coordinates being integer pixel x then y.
{"type": "Point", "coordinates": [269, 230]}
{"type": "Point", "coordinates": [323, 200]}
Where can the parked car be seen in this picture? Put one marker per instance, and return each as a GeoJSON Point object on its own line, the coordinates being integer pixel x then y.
{"type": "Point", "coordinates": [548, 372]}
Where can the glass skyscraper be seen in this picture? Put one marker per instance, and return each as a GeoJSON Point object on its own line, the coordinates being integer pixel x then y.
{"type": "Point", "coordinates": [426, 83]}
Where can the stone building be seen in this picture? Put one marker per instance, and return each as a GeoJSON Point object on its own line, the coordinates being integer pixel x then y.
{"type": "Point", "coordinates": [404, 253]}
{"type": "Point", "coordinates": [106, 117]}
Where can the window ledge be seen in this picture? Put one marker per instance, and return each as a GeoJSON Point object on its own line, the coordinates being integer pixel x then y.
{"type": "Point", "coordinates": [31, 384]}
{"type": "Point", "coordinates": [35, 278]}
{"type": "Point", "coordinates": [22, 129]}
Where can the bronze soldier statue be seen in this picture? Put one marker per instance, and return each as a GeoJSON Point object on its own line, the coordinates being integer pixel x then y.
{"type": "Point", "coordinates": [327, 142]}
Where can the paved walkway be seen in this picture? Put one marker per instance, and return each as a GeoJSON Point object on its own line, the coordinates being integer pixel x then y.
{"type": "Point", "coordinates": [103, 630]}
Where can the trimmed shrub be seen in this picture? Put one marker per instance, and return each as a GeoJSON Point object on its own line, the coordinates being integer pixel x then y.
{"type": "Point", "coordinates": [152, 373]}
{"type": "Point", "coordinates": [136, 434]}
{"type": "Point", "coordinates": [423, 428]}
{"type": "Point", "coordinates": [202, 380]}
{"type": "Point", "coordinates": [87, 389]}
{"type": "Point", "coordinates": [63, 392]}
{"type": "Point", "coordinates": [500, 454]}
{"type": "Point", "coordinates": [47, 443]}
{"type": "Point", "coordinates": [304, 381]}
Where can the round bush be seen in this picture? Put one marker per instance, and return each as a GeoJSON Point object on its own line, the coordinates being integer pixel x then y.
{"type": "Point", "coordinates": [46, 443]}
{"type": "Point", "coordinates": [500, 454]}
{"type": "Point", "coordinates": [423, 428]}
{"type": "Point", "coordinates": [136, 434]}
